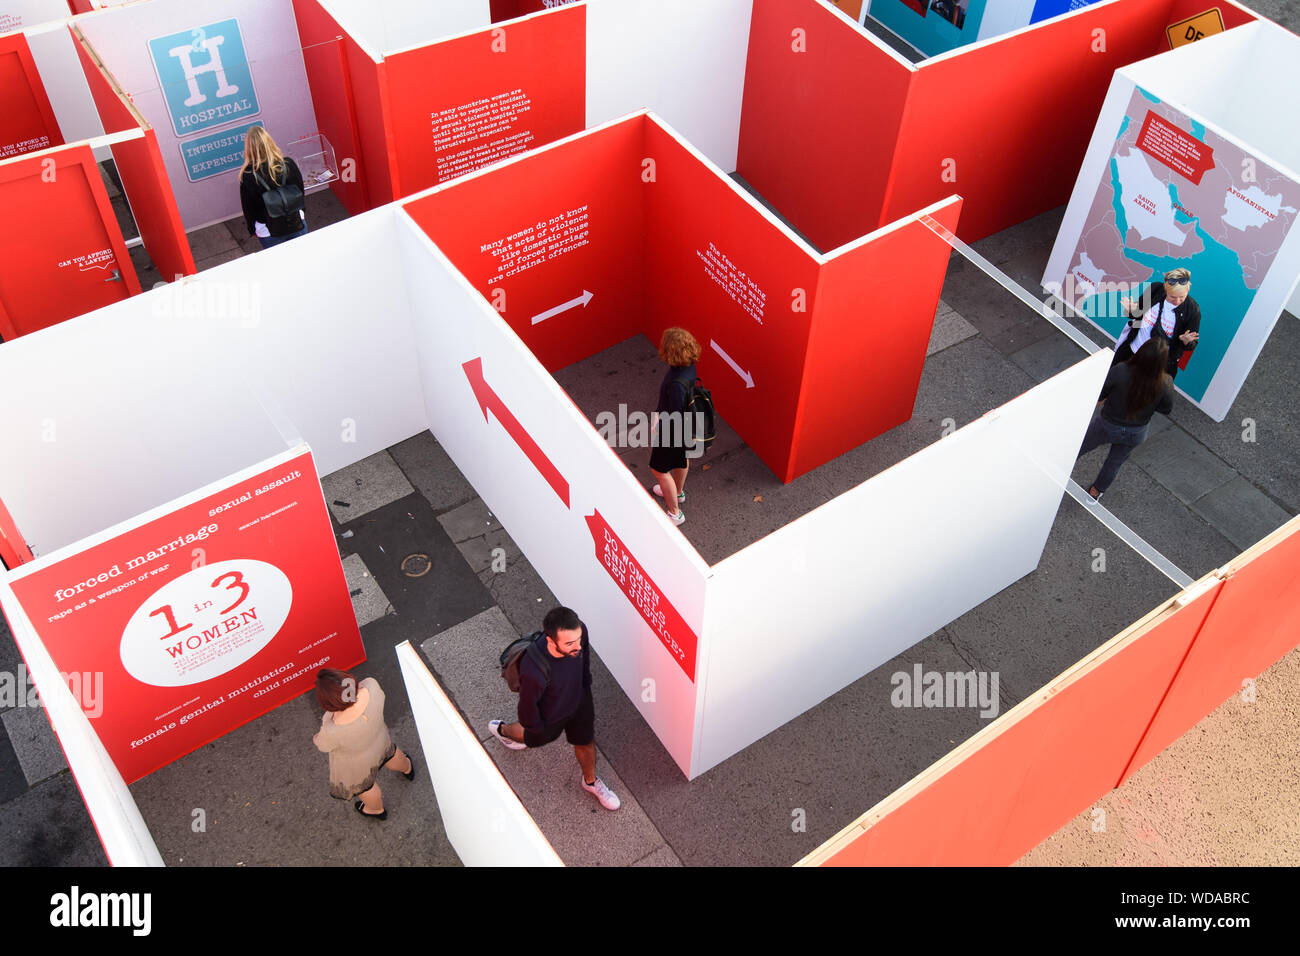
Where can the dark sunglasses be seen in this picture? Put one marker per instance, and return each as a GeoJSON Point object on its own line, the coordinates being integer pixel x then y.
{"type": "Point", "coordinates": [1177, 281]}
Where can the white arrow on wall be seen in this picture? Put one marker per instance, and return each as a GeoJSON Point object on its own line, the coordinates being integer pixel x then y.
{"type": "Point", "coordinates": [749, 379]}
{"type": "Point", "coordinates": [581, 300]}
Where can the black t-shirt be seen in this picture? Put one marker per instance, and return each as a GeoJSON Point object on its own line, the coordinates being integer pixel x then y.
{"type": "Point", "coordinates": [542, 703]}
{"type": "Point", "coordinates": [1115, 392]}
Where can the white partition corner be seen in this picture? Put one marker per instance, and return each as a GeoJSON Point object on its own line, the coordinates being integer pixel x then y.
{"type": "Point", "coordinates": [19, 14]}
{"type": "Point", "coordinates": [401, 24]}
{"type": "Point", "coordinates": [825, 600]}
{"type": "Point", "coordinates": [564, 538]}
{"type": "Point", "coordinates": [117, 820]}
{"type": "Point", "coordinates": [682, 59]}
{"type": "Point", "coordinates": [55, 56]}
{"type": "Point", "coordinates": [167, 391]}
{"type": "Point", "coordinates": [483, 818]}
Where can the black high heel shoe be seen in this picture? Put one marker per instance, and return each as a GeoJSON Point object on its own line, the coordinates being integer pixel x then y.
{"type": "Point", "coordinates": [410, 774]}
{"type": "Point", "coordinates": [360, 808]}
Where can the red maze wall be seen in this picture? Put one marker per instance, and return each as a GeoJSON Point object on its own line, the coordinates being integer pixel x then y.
{"type": "Point", "coordinates": [820, 116]}
{"type": "Point", "coordinates": [464, 103]}
{"type": "Point", "coordinates": [27, 121]}
{"type": "Point", "coordinates": [64, 268]}
{"type": "Point", "coordinates": [994, 802]}
{"type": "Point", "coordinates": [843, 138]}
{"type": "Point", "coordinates": [327, 55]}
{"type": "Point", "coordinates": [1253, 623]}
{"type": "Point", "coordinates": [805, 361]}
{"type": "Point", "coordinates": [144, 177]}
{"type": "Point", "coordinates": [1006, 125]}
{"type": "Point", "coordinates": [719, 268]}
{"type": "Point", "coordinates": [591, 185]}
{"type": "Point", "coordinates": [875, 313]}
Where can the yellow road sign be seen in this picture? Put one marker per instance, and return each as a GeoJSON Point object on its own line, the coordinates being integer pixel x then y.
{"type": "Point", "coordinates": [1195, 28]}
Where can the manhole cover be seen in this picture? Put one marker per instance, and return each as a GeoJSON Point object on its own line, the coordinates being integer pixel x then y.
{"type": "Point", "coordinates": [416, 565]}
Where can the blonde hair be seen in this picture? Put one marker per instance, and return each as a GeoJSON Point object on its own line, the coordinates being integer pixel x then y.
{"type": "Point", "coordinates": [678, 347]}
{"type": "Point", "coordinates": [1178, 274]}
{"type": "Point", "coordinates": [261, 154]}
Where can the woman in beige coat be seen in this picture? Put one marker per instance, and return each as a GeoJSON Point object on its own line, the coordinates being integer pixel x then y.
{"type": "Point", "coordinates": [354, 734]}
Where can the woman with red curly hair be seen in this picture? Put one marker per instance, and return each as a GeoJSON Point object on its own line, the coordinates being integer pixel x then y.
{"type": "Point", "coordinates": [668, 461]}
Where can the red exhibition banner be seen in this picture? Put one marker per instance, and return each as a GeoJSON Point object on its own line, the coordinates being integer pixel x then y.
{"type": "Point", "coordinates": [27, 121]}
{"type": "Point", "coordinates": [644, 595]}
{"type": "Point", "coordinates": [1167, 144]}
{"type": "Point", "coordinates": [548, 239]}
{"type": "Point", "coordinates": [190, 623]}
{"type": "Point", "coordinates": [77, 260]}
{"type": "Point", "coordinates": [464, 103]}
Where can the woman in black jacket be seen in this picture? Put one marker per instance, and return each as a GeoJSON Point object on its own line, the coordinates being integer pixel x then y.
{"type": "Point", "coordinates": [1166, 310]}
{"type": "Point", "coordinates": [266, 168]}
{"type": "Point", "coordinates": [1134, 391]}
{"type": "Point", "coordinates": [668, 458]}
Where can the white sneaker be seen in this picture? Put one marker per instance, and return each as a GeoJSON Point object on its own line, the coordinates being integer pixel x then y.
{"type": "Point", "coordinates": [678, 519]}
{"type": "Point", "coordinates": [659, 493]}
{"type": "Point", "coordinates": [494, 728]}
{"type": "Point", "coordinates": [608, 799]}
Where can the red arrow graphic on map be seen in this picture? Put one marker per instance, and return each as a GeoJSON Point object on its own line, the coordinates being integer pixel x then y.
{"type": "Point", "coordinates": [490, 400]}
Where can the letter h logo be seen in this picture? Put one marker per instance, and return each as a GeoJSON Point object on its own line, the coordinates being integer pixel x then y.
{"type": "Point", "coordinates": [205, 77]}
{"type": "Point", "coordinates": [212, 46]}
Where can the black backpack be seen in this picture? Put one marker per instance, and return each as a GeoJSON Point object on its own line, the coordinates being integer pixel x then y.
{"type": "Point", "coordinates": [699, 401]}
{"type": "Point", "coordinates": [513, 655]}
{"type": "Point", "coordinates": [284, 205]}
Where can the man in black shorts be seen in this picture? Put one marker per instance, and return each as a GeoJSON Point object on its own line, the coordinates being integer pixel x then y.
{"type": "Point", "coordinates": [562, 703]}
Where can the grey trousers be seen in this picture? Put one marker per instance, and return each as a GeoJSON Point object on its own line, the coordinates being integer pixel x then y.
{"type": "Point", "coordinates": [1122, 440]}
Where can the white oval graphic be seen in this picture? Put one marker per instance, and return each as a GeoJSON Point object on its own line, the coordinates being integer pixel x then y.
{"type": "Point", "coordinates": [206, 622]}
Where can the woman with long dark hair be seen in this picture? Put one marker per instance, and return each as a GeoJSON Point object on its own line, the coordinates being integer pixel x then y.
{"type": "Point", "coordinates": [1134, 391]}
{"type": "Point", "coordinates": [268, 172]}
{"type": "Point", "coordinates": [353, 733]}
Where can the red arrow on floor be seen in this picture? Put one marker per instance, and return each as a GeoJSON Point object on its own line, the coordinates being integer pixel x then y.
{"type": "Point", "coordinates": [490, 400]}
